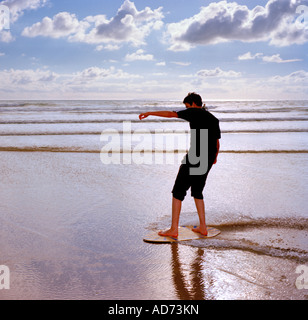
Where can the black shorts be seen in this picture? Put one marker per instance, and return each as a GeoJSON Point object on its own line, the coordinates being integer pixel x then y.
{"type": "Point", "coordinates": [184, 181]}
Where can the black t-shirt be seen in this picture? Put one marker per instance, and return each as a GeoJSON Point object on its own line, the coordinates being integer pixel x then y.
{"type": "Point", "coordinates": [199, 118]}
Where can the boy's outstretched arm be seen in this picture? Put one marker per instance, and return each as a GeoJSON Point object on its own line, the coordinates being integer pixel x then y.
{"type": "Point", "coordinates": [164, 114]}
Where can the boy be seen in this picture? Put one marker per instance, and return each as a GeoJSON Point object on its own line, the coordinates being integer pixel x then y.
{"type": "Point", "coordinates": [192, 174]}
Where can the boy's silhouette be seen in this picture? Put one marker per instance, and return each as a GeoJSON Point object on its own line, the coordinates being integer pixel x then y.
{"type": "Point", "coordinates": [205, 135]}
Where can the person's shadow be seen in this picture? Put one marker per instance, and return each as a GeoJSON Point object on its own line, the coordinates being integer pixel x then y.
{"type": "Point", "coordinates": [181, 285]}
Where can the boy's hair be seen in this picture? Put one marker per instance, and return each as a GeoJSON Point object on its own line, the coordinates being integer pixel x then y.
{"type": "Point", "coordinates": [193, 97]}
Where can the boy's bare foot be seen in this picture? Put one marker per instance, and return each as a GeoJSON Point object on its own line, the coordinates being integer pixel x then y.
{"type": "Point", "coordinates": [202, 230]}
{"type": "Point", "coordinates": [169, 233]}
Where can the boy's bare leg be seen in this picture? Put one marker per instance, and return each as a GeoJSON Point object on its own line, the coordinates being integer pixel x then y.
{"type": "Point", "coordinates": [201, 213]}
{"type": "Point", "coordinates": [176, 210]}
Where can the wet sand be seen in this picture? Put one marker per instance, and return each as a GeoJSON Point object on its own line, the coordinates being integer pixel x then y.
{"type": "Point", "coordinates": [72, 228]}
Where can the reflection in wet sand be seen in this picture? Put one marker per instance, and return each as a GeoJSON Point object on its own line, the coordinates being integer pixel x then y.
{"type": "Point", "coordinates": [184, 290]}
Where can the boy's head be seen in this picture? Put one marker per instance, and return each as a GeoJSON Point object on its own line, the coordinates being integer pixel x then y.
{"type": "Point", "coordinates": [193, 97]}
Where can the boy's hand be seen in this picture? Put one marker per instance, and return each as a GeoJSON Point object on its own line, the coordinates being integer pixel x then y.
{"type": "Point", "coordinates": [143, 115]}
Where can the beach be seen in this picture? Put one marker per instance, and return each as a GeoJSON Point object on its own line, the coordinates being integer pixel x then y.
{"type": "Point", "coordinates": [72, 225]}
{"type": "Point", "coordinates": [72, 229]}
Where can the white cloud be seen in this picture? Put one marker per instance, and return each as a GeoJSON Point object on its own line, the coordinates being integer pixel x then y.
{"type": "Point", "coordinates": [228, 21]}
{"type": "Point", "coordinates": [99, 48]}
{"type": "Point", "coordinates": [96, 74]}
{"type": "Point", "coordinates": [96, 82]}
{"type": "Point", "coordinates": [62, 24]}
{"type": "Point", "coordinates": [274, 58]}
{"type": "Point", "coordinates": [277, 59]}
{"type": "Point", "coordinates": [128, 26]}
{"type": "Point", "coordinates": [218, 73]}
{"type": "Point", "coordinates": [187, 75]}
{"type": "Point", "coordinates": [6, 36]}
{"type": "Point", "coordinates": [290, 86]}
{"type": "Point", "coordinates": [183, 64]}
{"type": "Point", "coordinates": [139, 55]}
{"type": "Point", "coordinates": [296, 77]}
{"type": "Point", "coordinates": [109, 47]}
{"type": "Point", "coordinates": [18, 83]}
{"type": "Point", "coordinates": [17, 7]}
{"type": "Point", "coordinates": [27, 77]}
{"type": "Point", "coordinates": [249, 56]}
{"type": "Point", "coordinates": [161, 64]}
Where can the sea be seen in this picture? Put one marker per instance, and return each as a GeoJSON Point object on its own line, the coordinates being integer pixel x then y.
{"type": "Point", "coordinates": [80, 126]}
{"type": "Point", "coordinates": [256, 194]}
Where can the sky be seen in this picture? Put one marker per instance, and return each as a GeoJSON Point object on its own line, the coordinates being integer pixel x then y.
{"type": "Point", "coordinates": [153, 49]}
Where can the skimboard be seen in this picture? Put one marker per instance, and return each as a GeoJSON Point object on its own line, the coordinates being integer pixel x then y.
{"type": "Point", "coordinates": [185, 233]}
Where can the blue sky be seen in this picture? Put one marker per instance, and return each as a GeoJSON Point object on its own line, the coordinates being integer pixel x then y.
{"type": "Point", "coordinates": [154, 49]}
